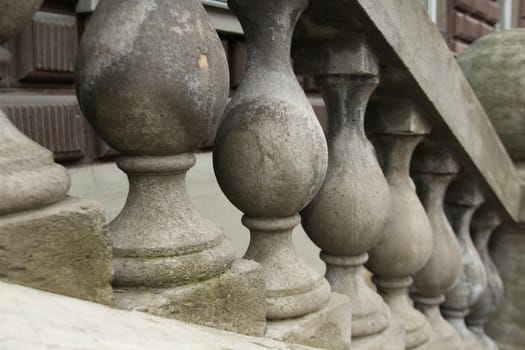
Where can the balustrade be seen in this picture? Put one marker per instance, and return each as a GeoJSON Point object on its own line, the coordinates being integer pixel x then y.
{"type": "Point", "coordinates": [397, 128]}
{"type": "Point", "coordinates": [484, 223]}
{"type": "Point", "coordinates": [462, 200]}
{"type": "Point", "coordinates": [152, 80]}
{"type": "Point", "coordinates": [348, 216]}
{"type": "Point", "coordinates": [432, 170]}
{"type": "Point", "coordinates": [270, 159]}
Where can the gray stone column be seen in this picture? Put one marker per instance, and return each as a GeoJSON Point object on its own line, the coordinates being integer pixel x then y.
{"type": "Point", "coordinates": [484, 223]}
{"type": "Point", "coordinates": [47, 240]}
{"type": "Point", "coordinates": [397, 127]}
{"type": "Point", "coordinates": [152, 80]}
{"type": "Point", "coordinates": [348, 216]}
{"type": "Point", "coordinates": [270, 159]}
{"type": "Point", "coordinates": [463, 198]}
{"type": "Point", "coordinates": [432, 170]}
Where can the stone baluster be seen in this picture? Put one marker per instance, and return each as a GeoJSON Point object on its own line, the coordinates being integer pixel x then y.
{"type": "Point", "coordinates": [152, 79]}
{"type": "Point", "coordinates": [432, 170]}
{"type": "Point", "coordinates": [270, 159]}
{"type": "Point", "coordinates": [348, 216]}
{"type": "Point", "coordinates": [484, 223]}
{"type": "Point", "coordinates": [398, 127]}
{"type": "Point", "coordinates": [462, 200]}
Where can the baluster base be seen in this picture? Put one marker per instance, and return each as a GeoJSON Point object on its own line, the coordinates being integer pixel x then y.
{"type": "Point", "coordinates": [234, 301]}
{"type": "Point", "coordinates": [457, 320]}
{"type": "Point", "coordinates": [159, 239]}
{"type": "Point", "coordinates": [395, 293]}
{"type": "Point", "coordinates": [370, 314]}
{"type": "Point", "coordinates": [392, 338]}
{"type": "Point", "coordinates": [328, 328]}
{"type": "Point", "coordinates": [478, 327]}
{"type": "Point", "coordinates": [444, 336]}
{"type": "Point", "coordinates": [292, 289]}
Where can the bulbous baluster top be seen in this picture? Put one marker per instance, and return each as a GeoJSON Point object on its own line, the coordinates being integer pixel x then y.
{"type": "Point", "coordinates": [270, 142]}
{"type": "Point", "coordinates": [151, 75]}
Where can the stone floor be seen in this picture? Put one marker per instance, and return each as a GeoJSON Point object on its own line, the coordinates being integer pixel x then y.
{"type": "Point", "coordinates": [105, 183]}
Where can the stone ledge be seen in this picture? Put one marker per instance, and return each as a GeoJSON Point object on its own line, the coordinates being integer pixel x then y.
{"type": "Point", "coordinates": [61, 248]}
{"type": "Point", "coordinates": [33, 319]}
{"type": "Point", "coordinates": [233, 301]}
{"type": "Point", "coordinates": [328, 328]}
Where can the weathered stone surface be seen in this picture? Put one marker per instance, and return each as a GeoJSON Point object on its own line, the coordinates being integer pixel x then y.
{"type": "Point", "coordinates": [173, 65]}
{"type": "Point", "coordinates": [507, 325]}
{"type": "Point", "coordinates": [495, 68]}
{"type": "Point", "coordinates": [270, 156]}
{"type": "Point", "coordinates": [232, 301]}
{"type": "Point", "coordinates": [349, 214]}
{"type": "Point", "coordinates": [328, 328]}
{"type": "Point", "coordinates": [432, 170]}
{"type": "Point", "coordinates": [62, 248]}
{"type": "Point", "coordinates": [484, 223]}
{"type": "Point", "coordinates": [33, 319]}
{"type": "Point", "coordinates": [463, 198]}
{"type": "Point", "coordinates": [397, 128]}
{"type": "Point", "coordinates": [170, 104]}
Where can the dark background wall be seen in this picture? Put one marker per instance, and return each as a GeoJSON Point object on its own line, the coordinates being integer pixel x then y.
{"type": "Point", "coordinates": [37, 91]}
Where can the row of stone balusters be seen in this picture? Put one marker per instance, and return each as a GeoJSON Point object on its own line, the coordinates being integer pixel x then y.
{"type": "Point", "coordinates": [152, 80]}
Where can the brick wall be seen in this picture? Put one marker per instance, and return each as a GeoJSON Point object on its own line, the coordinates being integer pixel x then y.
{"type": "Point", "coordinates": [521, 14]}
{"type": "Point", "coordinates": [469, 20]}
